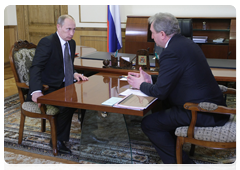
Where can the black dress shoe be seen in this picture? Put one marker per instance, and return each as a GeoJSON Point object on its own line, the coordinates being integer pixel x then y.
{"type": "Point", "coordinates": [61, 147]}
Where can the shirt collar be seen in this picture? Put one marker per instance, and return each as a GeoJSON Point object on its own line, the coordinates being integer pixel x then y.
{"type": "Point", "coordinates": [168, 42]}
{"type": "Point", "coordinates": [61, 40]}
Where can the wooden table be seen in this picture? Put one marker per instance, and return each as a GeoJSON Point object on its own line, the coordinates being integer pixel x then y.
{"type": "Point", "coordinates": [91, 94]}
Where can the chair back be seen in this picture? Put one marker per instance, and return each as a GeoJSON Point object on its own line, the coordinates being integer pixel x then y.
{"type": "Point", "coordinates": [186, 27]}
{"type": "Point", "coordinates": [186, 30]}
{"type": "Point", "coordinates": [21, 57]}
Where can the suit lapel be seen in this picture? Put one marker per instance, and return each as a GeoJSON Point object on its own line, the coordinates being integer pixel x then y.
{"type": "Point", "coordinates": [58, 45]}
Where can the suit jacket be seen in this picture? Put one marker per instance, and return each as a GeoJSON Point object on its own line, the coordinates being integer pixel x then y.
{"type": "Point", "coordinates": [47, 65]}
{"type": "Point", "coordinates": [184, 75]}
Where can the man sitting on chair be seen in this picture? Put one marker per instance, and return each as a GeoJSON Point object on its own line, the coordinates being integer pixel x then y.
{"type": "Point", "coordinates": [53, 65]}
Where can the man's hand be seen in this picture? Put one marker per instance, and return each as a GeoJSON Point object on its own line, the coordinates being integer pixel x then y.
{"type": "Point", "coordinates": [147, 77]}
{"type": "Point", "coordinates": [135, 80]}
{"type": "Point", "coordinates": [80, 77]}
{"type": "Point", "coordinates": [134, 74]}
{"type": "Point", "coordinates": [35, 96]}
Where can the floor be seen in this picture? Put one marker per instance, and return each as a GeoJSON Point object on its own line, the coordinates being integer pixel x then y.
{"type": "Point", "coordinates": [13, 156]}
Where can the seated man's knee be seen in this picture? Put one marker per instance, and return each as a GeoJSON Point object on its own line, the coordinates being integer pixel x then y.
{"type": "Point", "coordinates": [146, 123]}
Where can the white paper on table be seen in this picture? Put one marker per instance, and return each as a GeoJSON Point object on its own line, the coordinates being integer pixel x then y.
{"type": "Point", "coordinates": [126, 58]}
{"type": "Point", "coordinates": [112, 101]}
{"type": "Point", "coordinates": [132, 91]}
{"type": "Point", "coordinates": [123, 79]}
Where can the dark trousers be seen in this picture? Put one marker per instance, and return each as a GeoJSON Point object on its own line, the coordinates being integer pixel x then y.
{"type": "Point", "coordinates": [64, 118]}
{"type": "Point", "coordinates": [160, 129]}
{"type": "Point", "coordinates": [64, 121]}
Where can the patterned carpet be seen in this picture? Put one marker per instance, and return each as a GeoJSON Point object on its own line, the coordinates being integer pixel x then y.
{"type": "Point", "coordinates": [116, 139]}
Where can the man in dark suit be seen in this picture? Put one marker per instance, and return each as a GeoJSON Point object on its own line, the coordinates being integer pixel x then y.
{"type": "Point", "coordinates": [50, 67]}
{"type": "Point", "coordinates": [184, 76]}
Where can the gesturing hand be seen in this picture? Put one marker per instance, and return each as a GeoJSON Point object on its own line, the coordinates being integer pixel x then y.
{"type": "Point", "coordinates": [135, 79]}
{"type": "Point", "coordinates": [147, 77]}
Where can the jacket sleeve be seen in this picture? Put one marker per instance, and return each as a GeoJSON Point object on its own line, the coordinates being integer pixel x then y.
{"type": "Point", "coordinates": [42, 54]}
{"type": "Point", "coordinates": [169, 73]}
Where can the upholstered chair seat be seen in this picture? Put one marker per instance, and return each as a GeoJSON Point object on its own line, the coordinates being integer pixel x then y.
{"type": "Point", "coordinates": [33, 107]}
{"type": "Point", "coordinates": [226, 133]}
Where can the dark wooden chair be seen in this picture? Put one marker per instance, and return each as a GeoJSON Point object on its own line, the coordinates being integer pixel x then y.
{"type": "Point", "coordinates": [21, 56]}
{"type": "Point", "coordinates": [220, 137]}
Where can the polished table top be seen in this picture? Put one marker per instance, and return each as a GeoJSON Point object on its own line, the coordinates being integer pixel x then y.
{"type": "Point", "coordinates": [91, 94]}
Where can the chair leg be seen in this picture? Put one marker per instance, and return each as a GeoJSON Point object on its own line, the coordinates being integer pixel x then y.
{"type": "Point", "coordinates": [21, 128]}
{"type": "Point", "coordinates": [179, 145]}
{"type": "Point", "coordinates": [43, 125]}
{"type": "Point", "coordinates": [191, 153]}
{"type": "Point", "coordinates": [54, 135]}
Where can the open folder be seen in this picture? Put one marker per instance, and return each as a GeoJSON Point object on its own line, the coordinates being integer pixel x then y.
{"type": "Point", "coordinates": [135, 102]}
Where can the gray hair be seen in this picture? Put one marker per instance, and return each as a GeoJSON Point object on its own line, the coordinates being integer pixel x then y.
{"type": "Point", "coordinates": [165, 22]}
{"type": "Point", "coordinates": [62, 18]}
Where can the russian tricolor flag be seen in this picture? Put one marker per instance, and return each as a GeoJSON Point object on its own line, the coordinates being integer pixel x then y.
{"type": "Point", "coordinates": [114, 36]}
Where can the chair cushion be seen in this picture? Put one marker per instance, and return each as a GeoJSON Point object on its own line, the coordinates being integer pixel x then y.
{"type": "Point", "coordinates": [33, 107]}
{"type": "Point", "coordinates": [226, 133]}
{"type": "Point", "coordinates": [23, 61]}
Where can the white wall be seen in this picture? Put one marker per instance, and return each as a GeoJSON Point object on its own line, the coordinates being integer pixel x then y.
{"type": "Point", "coordinates": [10, 17]}
{"type": "Point", "coordinates": [96, 15]}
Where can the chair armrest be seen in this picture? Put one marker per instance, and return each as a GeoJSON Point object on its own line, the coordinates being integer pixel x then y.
{"type": "Point", "coordinates": [45, 87]}
{"type": "Point", "coordinates": [219, 110]}
{"type": "Point", "coordinates": [230, 91]}
{"type": "Point", "coordinates": [24, 86]}
{"type": "Point", "coordinates": [198, 107]}
{"type": "Point", "coordinates": [227, 90]}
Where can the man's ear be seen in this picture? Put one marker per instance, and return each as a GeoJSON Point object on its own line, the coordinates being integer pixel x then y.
{"type": "Point", "coordinates": [163, 33]}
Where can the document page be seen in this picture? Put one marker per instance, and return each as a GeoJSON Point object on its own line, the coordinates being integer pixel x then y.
{"type": "Point", "coordinates": [112, 101]}
{"type": "Point", "coordinates": [135, 102]}
{"type": "Point", "coordinates": [132, 91]}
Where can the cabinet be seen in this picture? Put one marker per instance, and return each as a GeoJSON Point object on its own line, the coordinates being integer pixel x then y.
{"type": "Point", "coordinates": [138, 35]}
{"type": "Point", "coordinates": [216, 28]}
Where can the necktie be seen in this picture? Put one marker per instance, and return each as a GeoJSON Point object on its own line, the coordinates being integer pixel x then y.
{"type": "Point", "coordinates": [68, 66]}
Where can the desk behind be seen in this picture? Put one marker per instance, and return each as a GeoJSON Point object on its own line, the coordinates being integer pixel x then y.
{"type": "Point", "coordinates": [92, 60]}
{"type": "Point", "coordinates": [213, 63]}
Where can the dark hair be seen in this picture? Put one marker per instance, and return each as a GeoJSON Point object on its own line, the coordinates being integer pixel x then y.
{"type": "Point", "coordinates": [165, 22]}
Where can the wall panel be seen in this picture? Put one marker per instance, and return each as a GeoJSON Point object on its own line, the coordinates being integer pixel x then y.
{"type": "Point", "coordinates": [95, 38]}
{"type": "Point", "coordinates": [10, 37]}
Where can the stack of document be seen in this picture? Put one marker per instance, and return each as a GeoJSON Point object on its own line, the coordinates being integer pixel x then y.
{"type": "Point", "coordinates": [134, 99]}
{"type": "Point", "coordinates": [135, 102]}
{"type": "Point", "coordinates": [200, 39]}
{"type": "Point", "coordinates": [219, 40]}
